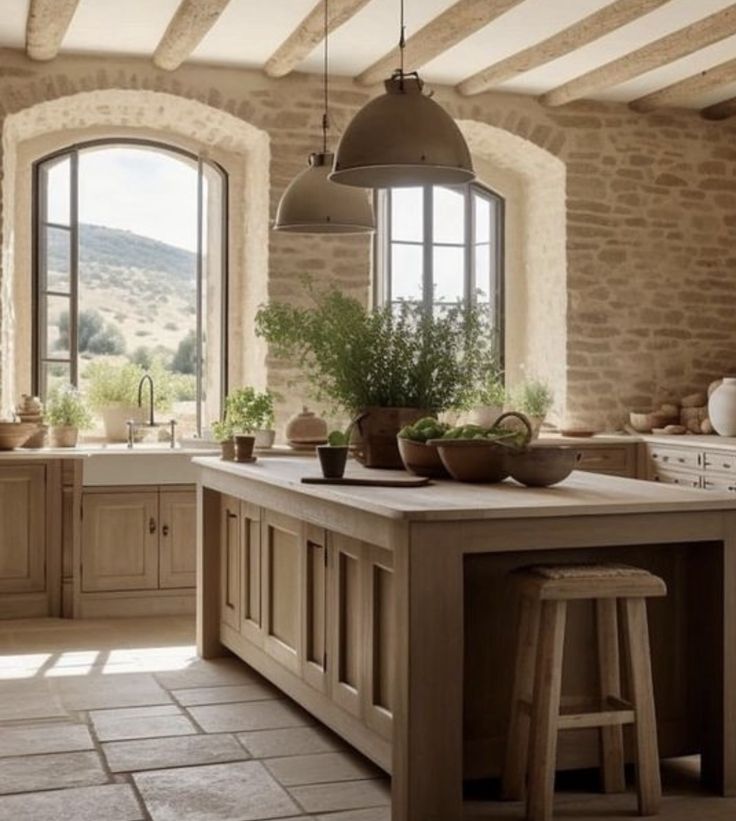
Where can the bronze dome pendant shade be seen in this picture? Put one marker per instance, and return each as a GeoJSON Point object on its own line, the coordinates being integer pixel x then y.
{"type": "Point", "coordinates": [311, 203]}
{"type": "Point", "coordinates": [402, 138]}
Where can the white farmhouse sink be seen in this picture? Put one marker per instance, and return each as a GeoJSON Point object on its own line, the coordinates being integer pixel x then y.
{"type": "Point", "coordinates": [141, 465]}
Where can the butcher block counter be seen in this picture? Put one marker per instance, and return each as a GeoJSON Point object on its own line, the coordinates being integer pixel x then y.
{"type": "Point", "coordinates": [388, 613]}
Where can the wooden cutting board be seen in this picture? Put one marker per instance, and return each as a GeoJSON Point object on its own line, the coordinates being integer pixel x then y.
{"type": "Point", "coordinates": [409, 481]}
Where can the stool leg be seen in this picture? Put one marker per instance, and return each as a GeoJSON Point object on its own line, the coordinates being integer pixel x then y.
{"type": "Point", "coordinates": [636, 633]}
{"type": "Point", "coordinates": [517, 739]}
{"type": "Point", "coordinates": [612, 738]}
{"type": "Point", "coordinates": [545, 711]}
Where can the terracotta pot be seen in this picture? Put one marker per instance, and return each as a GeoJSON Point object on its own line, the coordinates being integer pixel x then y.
{"type": "Point", "coordinates": [332, 460]}
{"type": "Point", "coordinates": [374, 435]}
{"type": "Point", "coordinates": [422, 459]}
{"type": "Point", "coordinates": [244, 444]}
{"type": "Point", "coordinates": [722, 407]}
{"type": "Point", "coordinates": [228, 450]}
{"type": "Point", "coordinates": [64, 436]}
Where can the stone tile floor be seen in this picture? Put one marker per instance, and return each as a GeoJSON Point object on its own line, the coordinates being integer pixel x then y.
{"type": "Point", "coordinates": [118, 720]}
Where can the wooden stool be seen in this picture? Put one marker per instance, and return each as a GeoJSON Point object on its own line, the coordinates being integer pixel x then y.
{"type": "Point", "coordinates": [536, 716]}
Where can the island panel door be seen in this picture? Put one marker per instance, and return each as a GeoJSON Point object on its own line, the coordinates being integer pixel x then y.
{"type": "Point", "coordinates": [23, 533]}
{"type": "Point", "coordinates": [178, 561]}
{"type": "Point", "coordinates": [314, 620]}
{"type": "Point", "coordinates": [251, 605]}
{"type": "Point", "coordinates": [230, 562]}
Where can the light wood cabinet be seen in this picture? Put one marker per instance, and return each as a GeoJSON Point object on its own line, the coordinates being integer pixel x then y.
{"type": "Point", "coordinates": [23, 531]}
{"type": "Point", "coordinates": [178, 539]}
{"type": "Point", "coordinates": [612, 460]}
{"type": "Point", "coordinates": [230, 562]}
{"type": "Point", "coordinates": [690, 465]}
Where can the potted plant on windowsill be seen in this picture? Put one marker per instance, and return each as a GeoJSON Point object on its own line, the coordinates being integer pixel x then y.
{"type": "Point", "coordinates": [491, 400]}
{"type": "Point", "coordinates": [390, 367]}
{"type": "Point", "coordinates": [250, 411]}
{"type": "Point", "coordinates": [534, 398]}
{"type": "Point", "coordinates": [223, 433]}
{"type": "Point", "coordinates": [66, 414]}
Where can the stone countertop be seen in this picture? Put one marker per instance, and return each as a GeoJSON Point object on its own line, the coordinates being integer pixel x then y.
{"type": "Point", "coordinates": [582, 494]}
{"type": "Point", "coordinates": [87, 451]}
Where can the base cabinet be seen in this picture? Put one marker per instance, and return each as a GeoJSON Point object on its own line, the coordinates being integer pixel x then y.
{"type": "Point", "coordinates": [692, 466]}
{"type": "Point", "coordinates": [23, 531]}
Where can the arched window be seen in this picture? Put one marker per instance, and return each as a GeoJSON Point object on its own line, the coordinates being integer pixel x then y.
{"type": "Point", "coordinates": [438, 245]}
{"type": "Point", "coordinates": [130, 268]}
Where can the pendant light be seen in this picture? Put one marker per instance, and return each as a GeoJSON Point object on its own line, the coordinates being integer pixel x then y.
{"type": "Point", "coordinates": [311, 203]}
{"type": "Point", "coordinates": [402, 138]}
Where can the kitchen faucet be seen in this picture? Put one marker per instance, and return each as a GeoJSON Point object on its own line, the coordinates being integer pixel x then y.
{"type": "Point", "coordinates": [151, 420]}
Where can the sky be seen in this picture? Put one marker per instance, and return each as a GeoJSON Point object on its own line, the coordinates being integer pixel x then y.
{"type": "Point", "coordinates": [148, 192]}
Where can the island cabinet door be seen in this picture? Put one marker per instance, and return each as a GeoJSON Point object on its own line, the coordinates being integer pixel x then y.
{"type": "Point", "coordinates": [120, 541]}
{"type": "Point", "coordinates": [230, 562]}
{"type": "Point", "coordinates": [251, 603]}
{"type": "Point", "coordinates": [282, 588]}
{"type": "Point", "coordinates": [314, 619]}
{"type": "Point", "coordinates": [22, 529]}
{"type": "Point", "coordinates": [178, 560]}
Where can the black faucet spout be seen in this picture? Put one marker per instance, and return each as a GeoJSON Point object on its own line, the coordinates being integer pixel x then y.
{"type": "Point", "coordinates": [147, 378]}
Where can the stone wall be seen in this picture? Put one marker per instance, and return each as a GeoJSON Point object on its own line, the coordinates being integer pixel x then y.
{"type": "Point", "coordinates": [648, 284]}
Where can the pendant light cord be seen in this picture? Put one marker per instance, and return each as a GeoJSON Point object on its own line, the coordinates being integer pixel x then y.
{"type": "Point", "coordinates": [325, 115]}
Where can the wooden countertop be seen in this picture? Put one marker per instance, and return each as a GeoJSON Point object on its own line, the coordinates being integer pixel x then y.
{"type": "Point", "coordinates": [582, 494]}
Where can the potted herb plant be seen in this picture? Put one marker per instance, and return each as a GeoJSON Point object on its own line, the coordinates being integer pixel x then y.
{"type": "Point", "coordinates": [390, 366]}
{"type": "Point", "coordinates": [66, 413]}
{"type": "Point", "coordinates": [250, 411]}
{"type": "Point", "coordinates": [223, 433]}
{"type": "Point", "coordinates": [491, 400]}
{"type": "Point", "coordinates": [534, 398]}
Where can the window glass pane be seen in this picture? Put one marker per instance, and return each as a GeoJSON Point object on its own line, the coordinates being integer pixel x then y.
{"type": "Point", "coordinates": [448, 215]}
{"type": "Point", "coordinates": [58, 259]}
{"type": "Point", "coordinates": [407, 214]}
{"type": "Point", "coordinates": [407, 272]}
{"type": "Point", "coordinates": [483, 272]}
{"type": "Point", "coordinates": [449, 274]}
{"type": "Point", "coordinates": [55, 374]}
{"type": "Point", "coordinates": [482, 219]}
{"type": "Point", "coordinates": [57, 179]}
{"type": "Point", "coordinates": [56, 309]}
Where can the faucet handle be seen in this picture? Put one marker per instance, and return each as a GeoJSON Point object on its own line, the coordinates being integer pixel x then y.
{"type": "Point", "coordinates": [130, 424]}
{"type": "Point", "coordinates": [172, 424]}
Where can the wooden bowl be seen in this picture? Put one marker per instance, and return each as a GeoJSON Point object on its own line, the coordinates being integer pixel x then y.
{"type": "Point", "coordinates": [422, 459]}
{"type": "Point", "coordinates": [644, 421]}
{"type": "Point", "coordinates": [542, 465]}
{"type": "Point", "coordinates": [15, 434]}
{"type": "Point", "coordinates": [473, 460]}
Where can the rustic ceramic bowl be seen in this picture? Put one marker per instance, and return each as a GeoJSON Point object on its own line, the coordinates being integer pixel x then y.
{"type": "Point", "coordinates": [542, 465]}
{"type": "Point", "coordinates": [644, 421]}
{"type": "Point", "coordinates": [422, 459]}
{"type": "Point", "coordinates": [473, 460]}
{"type": "Point", "coordinates": [15, 434]}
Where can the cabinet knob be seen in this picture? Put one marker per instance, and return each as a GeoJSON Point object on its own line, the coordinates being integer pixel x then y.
{"type": "Point", "coordinates": [165, 530]}
{"type": "Point", "coordinates": [151, 525]}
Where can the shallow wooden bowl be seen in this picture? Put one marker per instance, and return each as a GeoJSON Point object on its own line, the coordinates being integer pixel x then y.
{"type": "Point", "coordinates": [15, 434]}
{"type": "Point", "coordinates": [473, 460]}
{"type": "Point", "coordinates": [422, 459]}
{"type": "Point", "coordinates": [542, 465]}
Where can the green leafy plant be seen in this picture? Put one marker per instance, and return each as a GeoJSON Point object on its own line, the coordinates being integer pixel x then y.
{"type": "Point", "coordinates": [113, 385]}
{"type": "Point", "coordinates": [222, 431]}
{"type": "Point", "coordinates": [65, 407]}
{"type": "Point", "coordinates": [402, 357]}
{"type": "Point", "coordinates": [247, 409]}
{"type": "Point", "coordinates": [493, 391]}
{"type": "Point", "coordinates": [533, 397]}
{"type": "Point", "coordinates": [337, 439]}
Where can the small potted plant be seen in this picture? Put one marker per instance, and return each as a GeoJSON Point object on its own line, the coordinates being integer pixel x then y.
{"type": "Point", "coordinates": [492, 398]}
{"type": "Point", "coordinates": [534, 398]}
{"type": "Point", "coordinates": [334, 455]}
{"type": "Point", "coordinates": [250, 411]}
{"type": "Point", "coordinates": [223, 433]}
{"type": "Point", "coordinates": [66, 413]}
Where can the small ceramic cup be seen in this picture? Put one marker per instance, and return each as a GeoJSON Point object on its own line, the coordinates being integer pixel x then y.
{"type": "Point", "coordinates": [244, 444]}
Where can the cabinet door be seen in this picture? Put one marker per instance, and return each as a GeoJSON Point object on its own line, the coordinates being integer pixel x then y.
{"type": "Point", "coordinates": [230, 562]}
{"type": "Point", "coordinates": [178, 544]}
{"type": "Point", "coordinates": [23, 530]}
{"type": "Point", "coordinates": [250, 562]}
{"type": "Point", "coordinates": [314, 619]}
{"type": "Point", "coordinates": [120, 541]}
{"type": "Point", "coordinates": [282, 588]}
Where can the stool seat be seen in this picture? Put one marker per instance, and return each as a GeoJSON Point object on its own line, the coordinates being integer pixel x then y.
{"type": "Point", "coordinates": [538, 710]}
{"type": "Point", "coordinates": [589, 581]}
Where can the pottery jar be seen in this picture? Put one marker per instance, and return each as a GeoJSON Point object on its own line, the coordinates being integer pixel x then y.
{"type": "Point", "coordinates": [722, 407]}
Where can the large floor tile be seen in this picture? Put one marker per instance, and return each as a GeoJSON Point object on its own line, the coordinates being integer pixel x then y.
{"type": "Point", "coordinates": [290, 741]}
{"type": "Point", "coordinates": [223, 695]}
{"type": "Point", "coordinates": [19, 702]}
{"type": "Point", "coordinates": [214, 673]}
{"type": "Point", "coordinates": [256, 715]}
{"type": "Point", "coordinates": [346, 795]}
{"type": "Point", "coordinates": [158, 753]}
{"type": "Point", "coordinates": [373, 814]}
{"type": "Point", "coordinates": [220, 792]}
{"type": "Point", "coordinates": [140, 722]}
{"type": "Point", "coordinates": [47, 772]}
{"type": "Point", "coordinates": [109, 691]}
{"type": "Point", "coordinates": [30, 739]}
{"type": "Point", "coordinates": [113, 802]}
{"type": "Point", "coordinates": [321, 768]}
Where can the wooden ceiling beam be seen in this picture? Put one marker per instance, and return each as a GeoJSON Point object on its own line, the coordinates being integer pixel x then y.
{"type": "Point", "coordinates": [191, 21]}
{"type": "Point", "coordinates": [443, 32]}
{"type": "Point", "coordinates": [681, 43]}
{"type": "Point", "coordinates": [47, 23]}
{"type": "Point", "coordinates": [579, 34]}
{"type": "Point", "coordinates": [683, 91]}
{"type": "Point", "coordinates": [309, 34]}
{"type": "Point", "coordinates": [720, 111]}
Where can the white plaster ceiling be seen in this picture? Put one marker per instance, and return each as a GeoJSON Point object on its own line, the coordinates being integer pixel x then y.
{"type": "Point", "coordinates": [249, 31]}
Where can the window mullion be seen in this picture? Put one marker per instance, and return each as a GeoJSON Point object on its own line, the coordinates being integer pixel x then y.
{"type": "Point", "coordinates": [74, 268]}
{"type": "Point", "coordinates": [470, 274]}
{"type": "Point", "coordinates": [428, 284]}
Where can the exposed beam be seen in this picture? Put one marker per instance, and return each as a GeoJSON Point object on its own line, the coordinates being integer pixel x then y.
{"type": "Point", "coordinates": [309, 34]}
{"type": "Point", "coordinates": [720, 111]}
{"type": "Point", "coordinates": [192, 20]}
{"type": "Point", "coordinates": [681, 92]}
{"type": "Point", "coordinates": [48, 21]}
{"type": "Point", "coordinates": [441, 33]}
{"type": "Point", "coordinates": [667, 49]}
{"type": "Point", "coordinates": [579, 34]}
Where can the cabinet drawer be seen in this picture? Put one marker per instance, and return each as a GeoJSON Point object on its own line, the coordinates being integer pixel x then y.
{"type": "Point", "coordinates": [719, 461]}
{"type": "Point", "coordinates": [720, 483]}
{"type": "Point", "coordinates": [673, 457]}
{"type": "Point", "coordinates": [672, 477]}
{"type": "Point", "coordinates": [613, 460]}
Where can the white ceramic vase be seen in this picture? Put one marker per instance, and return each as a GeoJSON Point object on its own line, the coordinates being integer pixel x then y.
{"type": "Point", "coordinates": [264, 438]}
{"type": "Point", "coordinates": [722, 407]}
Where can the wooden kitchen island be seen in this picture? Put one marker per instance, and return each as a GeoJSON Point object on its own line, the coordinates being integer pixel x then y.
{"type": "Point", "coordinates": [388, 613]}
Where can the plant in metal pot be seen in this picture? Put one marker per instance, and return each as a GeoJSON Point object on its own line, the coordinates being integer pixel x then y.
{"type": "Point", "coordinates": [66, 414]}
{"type": "Point", "coordinates": [390, 365]}
{"type": "Point", "coordinates": [250, 411]}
